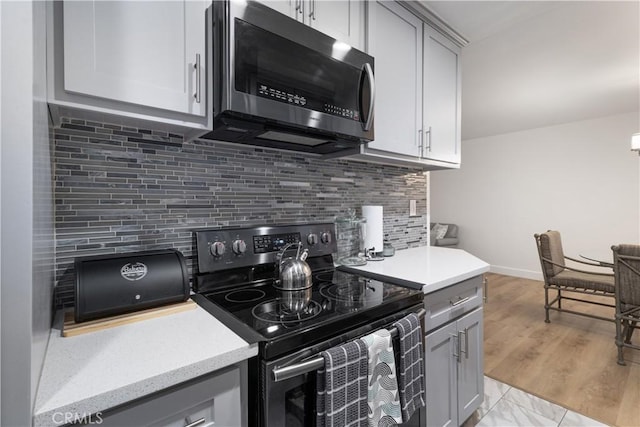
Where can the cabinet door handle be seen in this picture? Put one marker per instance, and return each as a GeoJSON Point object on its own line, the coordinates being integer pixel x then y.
{"type": "Point", "coordinates": [456, 347]}
{"type": "Point", "coordinates": [428, 132]}
{"type": "Point", "coordinates": [195, 423]}
{"type": "Point", "coordinates": [485, 296]}
{"type": "Point", "coordinates": [298, 2]}
{"type": "Point", "coordinates": [460, 301]}
{"type": "Point", "coordinates": [420, 144]}
{"type": "Point", "coordinates": [313, 10]}
{"type": "Point", "coordinates": [198, 76]}
{"type": "Point", "coordinates": [466, 342]}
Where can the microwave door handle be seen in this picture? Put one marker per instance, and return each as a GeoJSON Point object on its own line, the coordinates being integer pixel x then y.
{"type": "Point", "coordinates": [372, 84]}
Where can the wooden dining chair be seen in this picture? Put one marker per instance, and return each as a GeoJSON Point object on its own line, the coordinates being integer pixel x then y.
{"type": "Point", "coordinates": [570, 282]}
{"type": "Point", "coordinates": [626, 267]}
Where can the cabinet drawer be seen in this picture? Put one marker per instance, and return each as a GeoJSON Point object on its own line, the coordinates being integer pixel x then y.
{"type": "Point", "coordinates": [214, 399]}
{"type": "Point", "coordinates": [449, 303]}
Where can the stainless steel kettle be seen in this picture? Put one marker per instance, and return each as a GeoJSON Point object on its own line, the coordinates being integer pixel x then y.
{"type": "Point", "coordinates": [294, 273]}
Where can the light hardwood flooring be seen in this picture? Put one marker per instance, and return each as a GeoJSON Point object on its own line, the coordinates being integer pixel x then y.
{"type": "Point", "coordinates": [570, 361]}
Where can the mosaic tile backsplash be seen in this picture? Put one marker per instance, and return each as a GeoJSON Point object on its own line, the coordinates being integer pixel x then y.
{"type": "Point", "coordinates": [121, 189]}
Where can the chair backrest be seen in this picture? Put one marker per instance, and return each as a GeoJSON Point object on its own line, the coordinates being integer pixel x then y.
{"type": "Point", "coordinates": [550, 247]}
{"type": "Point", "coordinates": [626, 267]}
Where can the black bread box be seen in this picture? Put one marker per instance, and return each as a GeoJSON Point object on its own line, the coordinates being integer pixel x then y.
{"type": "Point", "coordinates": [108, 285]}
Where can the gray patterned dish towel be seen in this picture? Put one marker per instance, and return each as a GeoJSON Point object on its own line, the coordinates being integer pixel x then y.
{"type": "Point", "coordinates": [410, 366]}
{"type": "Point", "coordinates": [341, 399]}
{"type": "Point", "coordinates": [384, 404]}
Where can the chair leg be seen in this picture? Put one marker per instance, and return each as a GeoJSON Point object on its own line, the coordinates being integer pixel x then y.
{"type": "Point", "coordinates": [546, 304]}
{"type": "Point", "coordinates": [619, 344]}
{"type": "Point", "coordinates": [559, 300]}
{"type": "Point", "coordinates": [629, 332]}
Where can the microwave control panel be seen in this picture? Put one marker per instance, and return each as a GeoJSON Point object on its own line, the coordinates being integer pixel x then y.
{"type": "Point", "coordinates": [289, 96]}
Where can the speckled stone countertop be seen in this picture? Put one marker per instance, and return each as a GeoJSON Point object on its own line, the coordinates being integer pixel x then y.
{"type": "Point", "coordinates": [92, 372]}
{"type": "Point", "coordinates": [427, 268]}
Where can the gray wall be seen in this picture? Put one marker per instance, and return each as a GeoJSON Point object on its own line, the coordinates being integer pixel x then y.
{"type": "Point", "coordinates": [124, 189]}
{"type": "Point", "coordinates": [26, 242]}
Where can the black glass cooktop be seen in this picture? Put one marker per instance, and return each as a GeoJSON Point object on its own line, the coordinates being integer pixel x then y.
{"type": "Point", "coordinates": [338, 301]}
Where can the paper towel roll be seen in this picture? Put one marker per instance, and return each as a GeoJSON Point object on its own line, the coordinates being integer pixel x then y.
{"type": "Point", "coordinates": [374, 236]}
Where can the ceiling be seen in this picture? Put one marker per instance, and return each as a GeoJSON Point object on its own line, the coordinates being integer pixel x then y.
{"type": "Point", "coordinates": [533, 64]}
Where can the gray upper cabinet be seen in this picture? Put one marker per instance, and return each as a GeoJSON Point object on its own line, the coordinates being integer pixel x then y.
{"type": "Point", "coordinates": [441, 98]}
{"type": "Point", "coordinates": [139, 52]}
{"type": "Point", "coordinates": [417, 111]}
{"type": "Point", "coordinates": [138, 60]}
{"type": "Point", "coordinates": [341, 19]}
{"type": "Point", "coordinates": [395, 41]}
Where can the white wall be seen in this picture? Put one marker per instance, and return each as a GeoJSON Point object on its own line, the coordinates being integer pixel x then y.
{"type": "Point", "coordinates": [0, 213]}
{"type": "Point", "coordinates": [579, 178]}
{"type": "Point", "coordinates": [42, 197]}
{"type": "Point", "coordinates": [17, 143]}
{"type": "Point", "coordinates": [26, 242]}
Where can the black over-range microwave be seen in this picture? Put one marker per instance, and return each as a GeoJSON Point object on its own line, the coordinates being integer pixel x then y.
{"type": "Point", "coordinates": [281, 84]}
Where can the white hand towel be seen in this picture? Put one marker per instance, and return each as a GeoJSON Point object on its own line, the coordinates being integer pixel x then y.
{"type": "Point", "coordinates": [384, 402]}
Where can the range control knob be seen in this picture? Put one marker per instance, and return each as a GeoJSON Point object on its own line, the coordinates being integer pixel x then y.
{"type": "Point", "coordinates": [239, 247]}
{"type": "Point", "coordinates": [312, 239]}
{"type": "Point", "coordinates": [217, 249]}
{"type": "Point", "coordinates": [325, 237]}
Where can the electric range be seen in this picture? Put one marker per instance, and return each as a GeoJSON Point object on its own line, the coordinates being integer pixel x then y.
{"type": "Point", "coordinates": [237, 271]}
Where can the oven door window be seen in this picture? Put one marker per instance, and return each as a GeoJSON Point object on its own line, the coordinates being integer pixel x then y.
{"type": "Point", "coordinates": [300, 405]}
{"type": "Point", "coordinates": [291, 402]}
{"type": "Point", "coordinates": [275, 68]}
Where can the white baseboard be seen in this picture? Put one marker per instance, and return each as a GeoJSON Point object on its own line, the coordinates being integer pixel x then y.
{"type": "Point", "coordinates": [517, 272]}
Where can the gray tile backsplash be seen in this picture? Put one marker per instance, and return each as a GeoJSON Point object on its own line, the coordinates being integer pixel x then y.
{"type": "Point", "coordinates": [121, 189]}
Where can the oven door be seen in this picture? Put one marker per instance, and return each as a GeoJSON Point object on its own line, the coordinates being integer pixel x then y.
{"type": "Point", "coordinates": [275, 68]}
{"type": "Point", "coordinates": [291, 402]}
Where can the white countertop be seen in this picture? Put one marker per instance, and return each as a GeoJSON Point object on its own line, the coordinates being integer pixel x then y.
{"type": "Point", "coordinates": [428, 268]}
{"type": "Point", "coordinates": [92, 372]}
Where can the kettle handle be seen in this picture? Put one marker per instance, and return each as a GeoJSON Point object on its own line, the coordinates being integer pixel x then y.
{"type": "Point", "coordinates": [286, 247]}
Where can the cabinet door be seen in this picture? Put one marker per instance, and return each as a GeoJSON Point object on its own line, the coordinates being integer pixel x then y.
{"type": "Point", "coordinates": [441, 98]}
{"type": "Point", "coordinates": [395, 41]}
{"type": "Point", "coordinates": [471, 366]}
{"type": "Point", "coordinates": [143, 53]}
{"type": "Point", "coordinates": [290, 8]}
{"type": "Point", "coordinates": [338, 19]}
{"type": "Point", "coordinates": [440, 376]}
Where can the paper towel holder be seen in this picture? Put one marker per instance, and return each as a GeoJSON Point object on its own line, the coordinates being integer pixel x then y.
{"type": "Point", "coordinates": [374, 238]}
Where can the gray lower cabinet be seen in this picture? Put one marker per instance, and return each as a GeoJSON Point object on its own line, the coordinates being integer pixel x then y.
{"type": "Point", "coordinates": [454, 371]}
{"type": "Point", "coordinates": [212, 400]}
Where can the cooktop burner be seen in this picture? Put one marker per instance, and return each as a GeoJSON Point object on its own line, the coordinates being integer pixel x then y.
{"type": "Point", "coordinates": [245, 295]}
{"type": "Point", "coordinates": [277, 313]}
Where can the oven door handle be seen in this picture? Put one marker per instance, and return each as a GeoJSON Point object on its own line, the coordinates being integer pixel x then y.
{"type": "Point", "coordinates": [315, 363]}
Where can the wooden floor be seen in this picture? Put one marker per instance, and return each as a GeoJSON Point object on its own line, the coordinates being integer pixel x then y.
{"type": "Point", "coordinates": [570, 361]}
